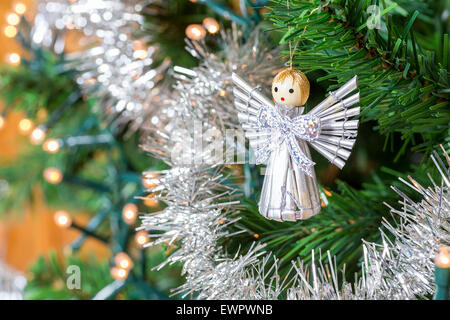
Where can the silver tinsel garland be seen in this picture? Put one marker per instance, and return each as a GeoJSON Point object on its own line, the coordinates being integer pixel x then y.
{"type": "Point", "coordinates": [12, 283]}
{"type": "Point", "coordinates": [201, 206]}
{"type": "Point", "coordinates": [404, 267]}
{"type": "Point", "coordinates": [115, 64]}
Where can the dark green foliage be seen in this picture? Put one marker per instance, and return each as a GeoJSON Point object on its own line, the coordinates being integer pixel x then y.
{"type": "Point", "coordinates": [20, 89]}
{"type": "Point", "coordinates": [167, 21]}
{"type": "Point", "coordinates": [401, 68]}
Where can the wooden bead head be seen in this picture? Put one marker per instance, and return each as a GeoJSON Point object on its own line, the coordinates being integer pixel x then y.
{"type": "Point", "coordinates": [290, 87]}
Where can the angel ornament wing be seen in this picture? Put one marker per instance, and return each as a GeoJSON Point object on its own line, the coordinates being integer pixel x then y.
{"type": "Point", "coordinates": [279, 134]}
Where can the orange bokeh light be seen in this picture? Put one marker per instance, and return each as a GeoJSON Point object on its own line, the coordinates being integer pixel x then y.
{"type": "Point", "coordinates": [20, 8]}
{"type": "Point", "coordinates": [51, 146]}
{"type": "Point", "coordinates": [129, 213]}
{"type": "Point", "coordinates": [141, 238]}
{"type": "Point", "coordinates": [123, 261]}
{"type": "Point", "coordinates": [53, 175]}
{"type": "Point", "coordinates": [25, 126]}
{"type": "Point", "coordinates": [62, 219]}
{"type": "Point", "coordinates": [195, 32]}
{"type": "Point", "coordinates": [10, 31]}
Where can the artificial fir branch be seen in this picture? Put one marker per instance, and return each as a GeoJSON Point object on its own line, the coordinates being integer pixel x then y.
{"type": "Point", "coordinates": [404, 85]}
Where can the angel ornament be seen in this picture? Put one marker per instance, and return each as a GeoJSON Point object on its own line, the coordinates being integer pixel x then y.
{"type": "Point", "coordinates": [279, 132]}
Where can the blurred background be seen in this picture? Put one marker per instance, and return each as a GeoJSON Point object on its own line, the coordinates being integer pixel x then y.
{"type": "Point", "coordinates": [32, 232]}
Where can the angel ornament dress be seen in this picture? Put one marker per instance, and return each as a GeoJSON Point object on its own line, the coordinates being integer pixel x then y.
{"type": "Point", "coordinates": [279, 134]}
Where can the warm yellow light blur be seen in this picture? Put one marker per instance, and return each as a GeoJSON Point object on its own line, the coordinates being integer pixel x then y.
{"type": "Point", "coordinates": [148, 183]}
{"type": "Point", "coordinates": [90, 81]}
{"type": "Point", "coordinates": [62, 219]}
{"type": "Point", "coordinates": [149, 180]}
{"type": "Point", "coordinates": [53, 175]}
{"type": "Point", "coordinates": [2, 122]}
{"type": "Point", "coordinates": [13, 19]}
{"type": "Point", "coordinates": [123, 261]}
{"type": "Point", "coordinates": [41, 115]}
{"type": "Point", "coordinates": [140, 54]}
{"type": "Point", "coordinates": [37, 135]}
{"type": "Point", "coordinates": [51, 146]}
{"type": "Point", "coordinates": [10, 31]}
{"type": "Point", "coordinates": [150, 202]}
{"type": "Point", "coordinates": [211, 25]}
{"type": "Point", "coordinates": [141, 238]}
{"type": "Point", "coordinates": [195, 32]}
{"type": "Point", "coordinates": [25, 126]}
{"type": "Point", "coordinates": [139, 45]}
{"type": "Point", "coordinates": [443, 257]}
{"type": "Point", "coordinates": [222, 93]}
{"type": "Point", "coordinates": [119, 273]}
{"type": "Point", "coordinates": [327, 193]}
{"type": "Point", "coordinates": [140, 49]}
{"type": "Point", "coordinates": [20, 8]}
{"type": "Point", "coordinates": [13, 59]}
{"type": "Point", "coordinates": [129, 213]}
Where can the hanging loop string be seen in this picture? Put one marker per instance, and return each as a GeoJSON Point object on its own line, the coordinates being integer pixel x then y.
{"type": "Point", "coordinates": [291, 52]}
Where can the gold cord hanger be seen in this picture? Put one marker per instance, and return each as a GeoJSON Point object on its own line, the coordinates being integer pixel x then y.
{"type": "Point", "coordinates": [291, 52]}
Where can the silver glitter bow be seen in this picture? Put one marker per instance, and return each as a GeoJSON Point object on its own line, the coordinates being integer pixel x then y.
{"type": "Point", "coordinates": [305, 127]}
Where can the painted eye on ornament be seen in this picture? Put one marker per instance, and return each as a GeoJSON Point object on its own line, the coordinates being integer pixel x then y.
{"type": "Point", "coordinates": [291, 90]}
{"type": "Point", "coordinates": [276, 89]}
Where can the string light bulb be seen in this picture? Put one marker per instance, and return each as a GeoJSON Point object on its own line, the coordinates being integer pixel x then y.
{"type": "Point", "coordinates": [119, 273]}
{"type": "Point", "coordinates": [51, 146]}
{"type": "Point", "coordinates": [20, 8]}
{"type": "Point", "coordinates": [195, 32]}
{"type": "Point", "coordinates": [25, 126]}
{"type": "Point", "coordinates": [13, 59]}
{"type": "Point", "coordinates": [140, 54]}
{"type": "Point", "coordinates": [149, 180]}
{"type": "Point", "coordinates": [37, 135]}
{"type": "Point", "coordinates": [13, 19]}
{"type": "Point", "coordinates": [123, 261]}
{"type": "Point", "coordinates": [62, 219]}
{"type": "Point", "coordinates": [53, 175]}
{"type": "Point", "coordinates": [151, 202]}
{"type": "Point", "coordinates": [10, 31]}
{"type": "Point", "coordinates": [443, 257]}
{"type": "Point", "coordinates": [141, 238]}
{"type": "Point", "coordinates": [211, 25]}
{"type": "Point", "coordinates": [129, 213]}
{"type": "Point", "coordinates": [140, 49]}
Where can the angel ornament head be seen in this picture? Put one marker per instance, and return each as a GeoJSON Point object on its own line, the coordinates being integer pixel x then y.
{"type": "Point", "coordinates": [290, 87]}
{"type": "Point", "coordinates": [279, 134]}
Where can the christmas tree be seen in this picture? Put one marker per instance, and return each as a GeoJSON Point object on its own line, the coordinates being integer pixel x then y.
{"type": "Point", "coordinates": [137, 124]}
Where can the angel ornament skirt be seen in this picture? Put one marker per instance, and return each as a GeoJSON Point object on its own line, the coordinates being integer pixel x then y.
{"type": "Point", "coordinates": [288, 194]}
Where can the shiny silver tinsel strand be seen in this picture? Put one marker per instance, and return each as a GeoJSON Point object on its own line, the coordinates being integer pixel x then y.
{"type": "Point", "coordinates": [404, 266]}
{"type": "Point", "coordinates": [115, 63]}
{"type": "Point", "coordinates": [12, 283]}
